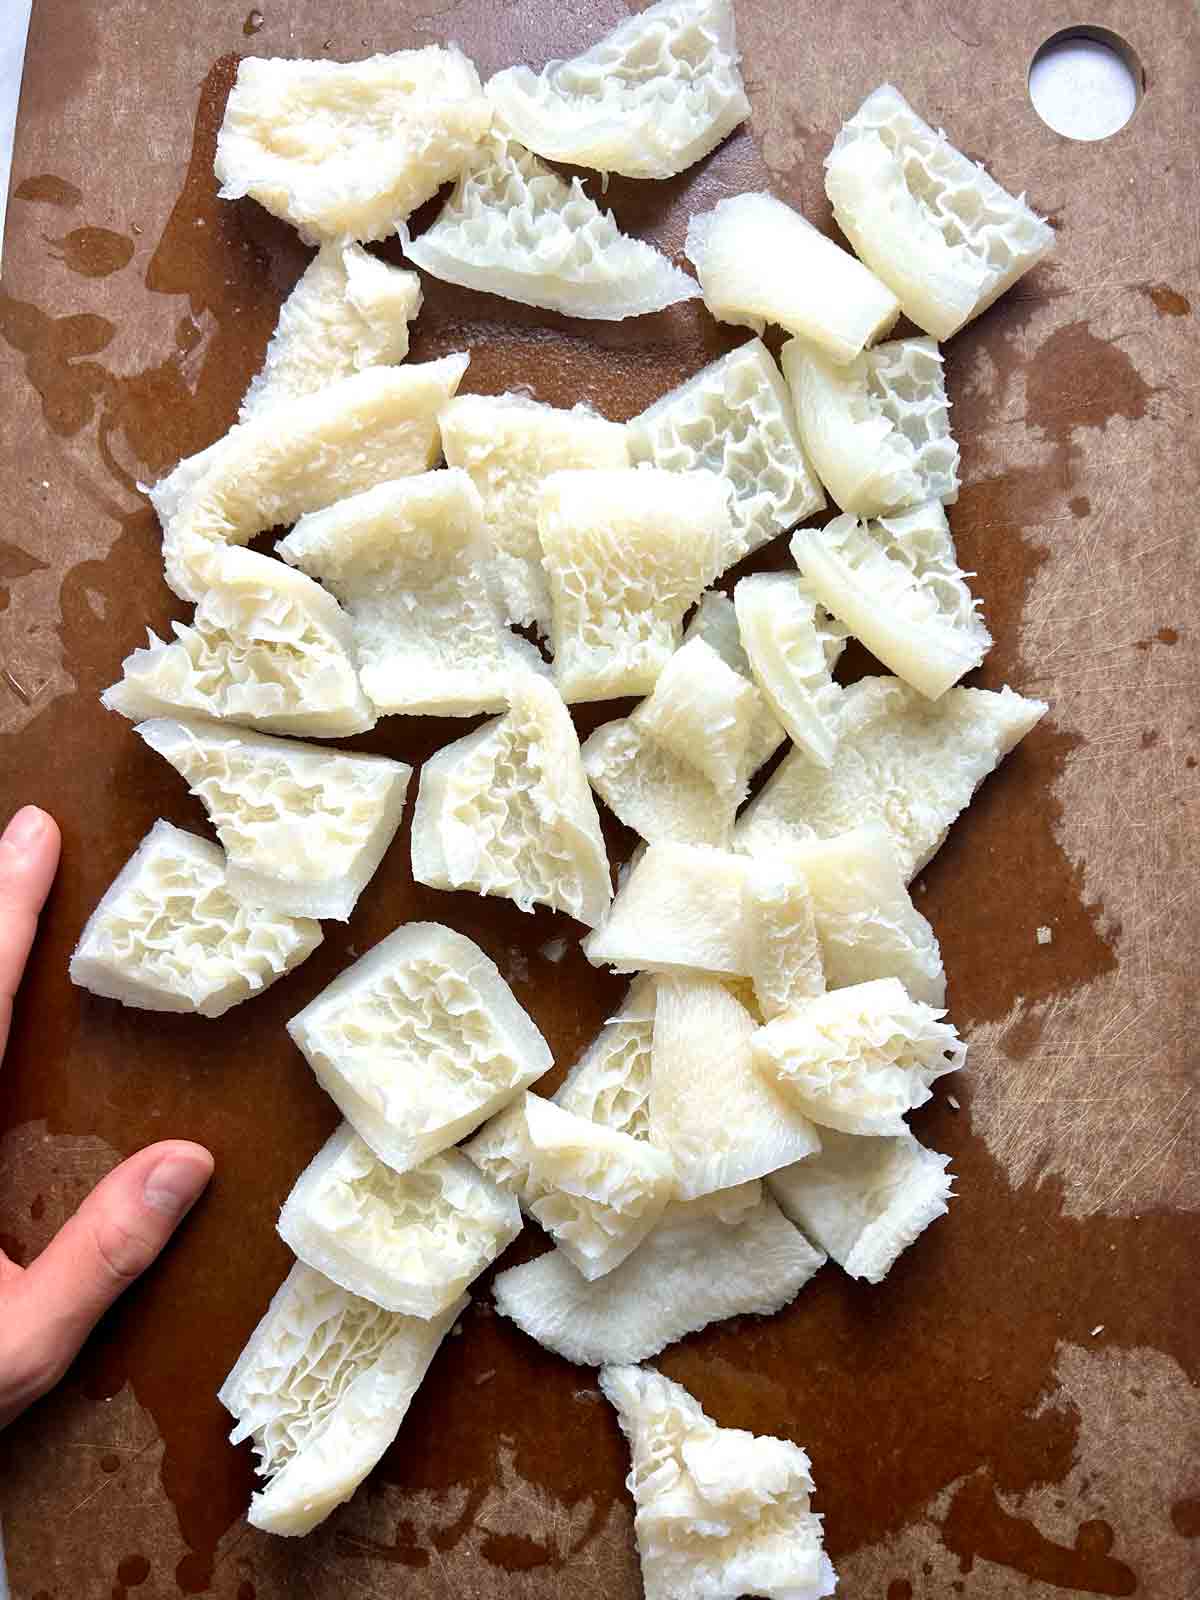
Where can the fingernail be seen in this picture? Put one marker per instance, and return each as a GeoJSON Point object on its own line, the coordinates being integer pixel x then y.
{"type": "Point", "coordinates": [26, 828]}
{"type": "Point", "coordinates": [175, 1183]}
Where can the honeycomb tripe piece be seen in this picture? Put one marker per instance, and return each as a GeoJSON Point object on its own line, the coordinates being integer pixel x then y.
{"type": "Point", "coordinates": [864, 1200]}
{"type": "Point", "coordinates": [679, 910]}
{"type": "Point", "coordinates": [731, 1254]}
{"type": "Point", "coordinates": [759, 261]}
{"type": "Point", "coordinates": [507, 811]}
{"type": "Point", "coordinates": [508, 444]}
{"type": "Point", "coordinates": [793, 645]}
{"type": "Point", "coordinates": [715, 621]}
{"type": "Point", "coordinates": [652, 97]}
{"type": "Point", "coordinates": [349, 149]}
{"type": "Point", "coordinates": [909, 763]}
{"type": "Point", "coordinates": [679, 766]}
{"type": "Point", "coordinates": [170, 934]}
{"type": "Point", "coordinates": [896, 585]}
{"type": "Point", "coordinates": [653, 791]}
{"type": "Point", "coordinates": [627, 553]}
{"type": "Point", "coordinates": [719, 1512]}
{"type": "Point", "coordinates": [704, 713]}
{"type": "Point", "coordinates": [859, 1059]}
{"type": "Point", "coordinates": [348, 311]}
{"type": "Point", "coordinates": [409, 562]}
{"type": "Point", "coordinates": [419, 1042]}
{"type": "Point", "coordinates": [711, 1110]}
{"type": "Point", "coordinates": [513, 227]}
{"type": "Point", "coordinates": [935, 226]}
{"type": "Point", "coordinates": [866, 922]}
{"type": "Point", "coordinates": [408, 1241]}
{"type": "Point", "coordinates": [597, 1192]}
{"type": "Point", "coordinates": [301, 456]}
{"type": "Point", "coordinates": [321, 1389]}
{"type": "Point", "coordinates": [878, 429]}
{"type": "Point", "coordinates": [783, 940]}
{"type": "Point", "coordinates": [610, 1083]}
{"type": "Point", "coordinates": [267, 648]}
{"type": "Point", "coordinates": [735, 418]}
{"type": "Point", "coordinates": [303, 828]}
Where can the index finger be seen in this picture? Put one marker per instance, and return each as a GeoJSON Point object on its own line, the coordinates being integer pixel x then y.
{"type": "Point", "coordinates": [29, 852]}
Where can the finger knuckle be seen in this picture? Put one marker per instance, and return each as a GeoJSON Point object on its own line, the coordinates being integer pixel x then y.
{"type": "Point", "coordinates": [123, 1252]}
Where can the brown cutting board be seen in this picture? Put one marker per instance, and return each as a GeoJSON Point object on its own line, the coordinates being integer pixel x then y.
{"type": "Point", "coordinates": [1013, 1412]}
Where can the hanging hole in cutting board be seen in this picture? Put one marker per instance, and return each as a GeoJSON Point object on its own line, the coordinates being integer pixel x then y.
{"type": "Point", "coordinates": [1085, 82]}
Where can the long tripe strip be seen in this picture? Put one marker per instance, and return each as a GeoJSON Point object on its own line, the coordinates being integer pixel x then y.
{"type": "Point", "coordinates": [938, 230]}
{"type": "Point", "coordinates": [321, 1388]}
{"type": "Point", "coordinates": [759, 261]}
{"type": "Point", "coordinates": [300, 457]}
{"type": "Point", "coordinates": [732, 1253]}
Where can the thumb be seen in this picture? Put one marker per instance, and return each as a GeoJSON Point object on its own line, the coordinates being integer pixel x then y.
{"type": "Point", "coordinates": [114, 1236]}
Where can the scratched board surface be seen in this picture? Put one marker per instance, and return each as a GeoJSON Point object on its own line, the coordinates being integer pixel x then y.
{"type": "Point", "coordinates": [1014, 1411]}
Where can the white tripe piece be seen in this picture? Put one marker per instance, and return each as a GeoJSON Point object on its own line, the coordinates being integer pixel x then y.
{"type": "Point", "coordinates": [863, 1200]}
{"type": "Point", "coordinates": [679, 910]}
{"type": "Point", "coordinates": [300, 456]}
{"type": "Point", "coordinates": [596, 1191]}
{"type": "Point", "coordinates": [303, 827]}
{"type": "Point", "coordinates": [170, 934]}
{"type": "Point", "coordinates": [759, 261]}
{"type": "Point", "coordinates": [679, 766]}
{"type": "Point", "coordinates": [652, 97]}
{"type": "Point", "coordinates": [610, 1083]}
{"type": "Point", "coordinates": [267, 648]}
{"type": "Point", "coordinates": [793, 645]}
{"type": "Point", "coordinates": [627, 553]}
{"type": "Point", "coordinates": [408, 1241]}
{"type": "Point", "coordinates": [508, 444]}
{"type": "Point", "coordinates": [909, 763]}
{"type": "Point", "coordinates": [877, 430]}
{"type": "Point", "coordinates": [859, 1059]}
{"type": "Point", "coordinates": [349, 149]}
{"type": "Point", "coordinates": [321, 1389]}
{"type": "Point", "coordinates": [513, 227]}
{"type": "Point", "coordinates": [711, 1110]}
{"type": "Point", "coordinates": [942, 233]}
{"type": "Point", "coordinates": [409, 562]}
{"type": "Point", "coordinates": [419, 1042]}
{"type": "Point", "coordinates": [784, 942]}
{"type": "Point", "coordinates": [896, 585]}
{"type": "Point", "coordinates": [704, 713]}
{"type": "Point", "coordinates": [866, 922]}
{"type": "Point", "coordinates": [715, 621]}
{"type": "Point", "coordinates": [730, 1254]}
{"type": "Point", "coordinates": [735, 418]}
{"type": "Point", "coordinates": [693, 909]}
{"type": "Point", "coordinates": [347, 312]}
{"type": "Point", "coordinates": [507, 811]}
{"type": "Point", "coordinates": [719, 1512]}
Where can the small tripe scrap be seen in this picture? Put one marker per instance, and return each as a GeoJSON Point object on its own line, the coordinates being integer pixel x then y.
{"type": "Point", "coordinates": [741, 1116]}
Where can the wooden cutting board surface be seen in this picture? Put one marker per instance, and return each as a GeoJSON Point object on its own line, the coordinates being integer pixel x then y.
{"type": "Point", "coordinates": [1014, 1411]}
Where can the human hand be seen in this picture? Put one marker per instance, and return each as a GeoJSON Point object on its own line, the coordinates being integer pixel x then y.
{"type": "Point", "coordinates": [48, 1308]}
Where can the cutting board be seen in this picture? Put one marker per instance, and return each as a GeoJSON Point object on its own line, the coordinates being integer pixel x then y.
{"type": "Point", "coordinates": [1014, 1411]}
